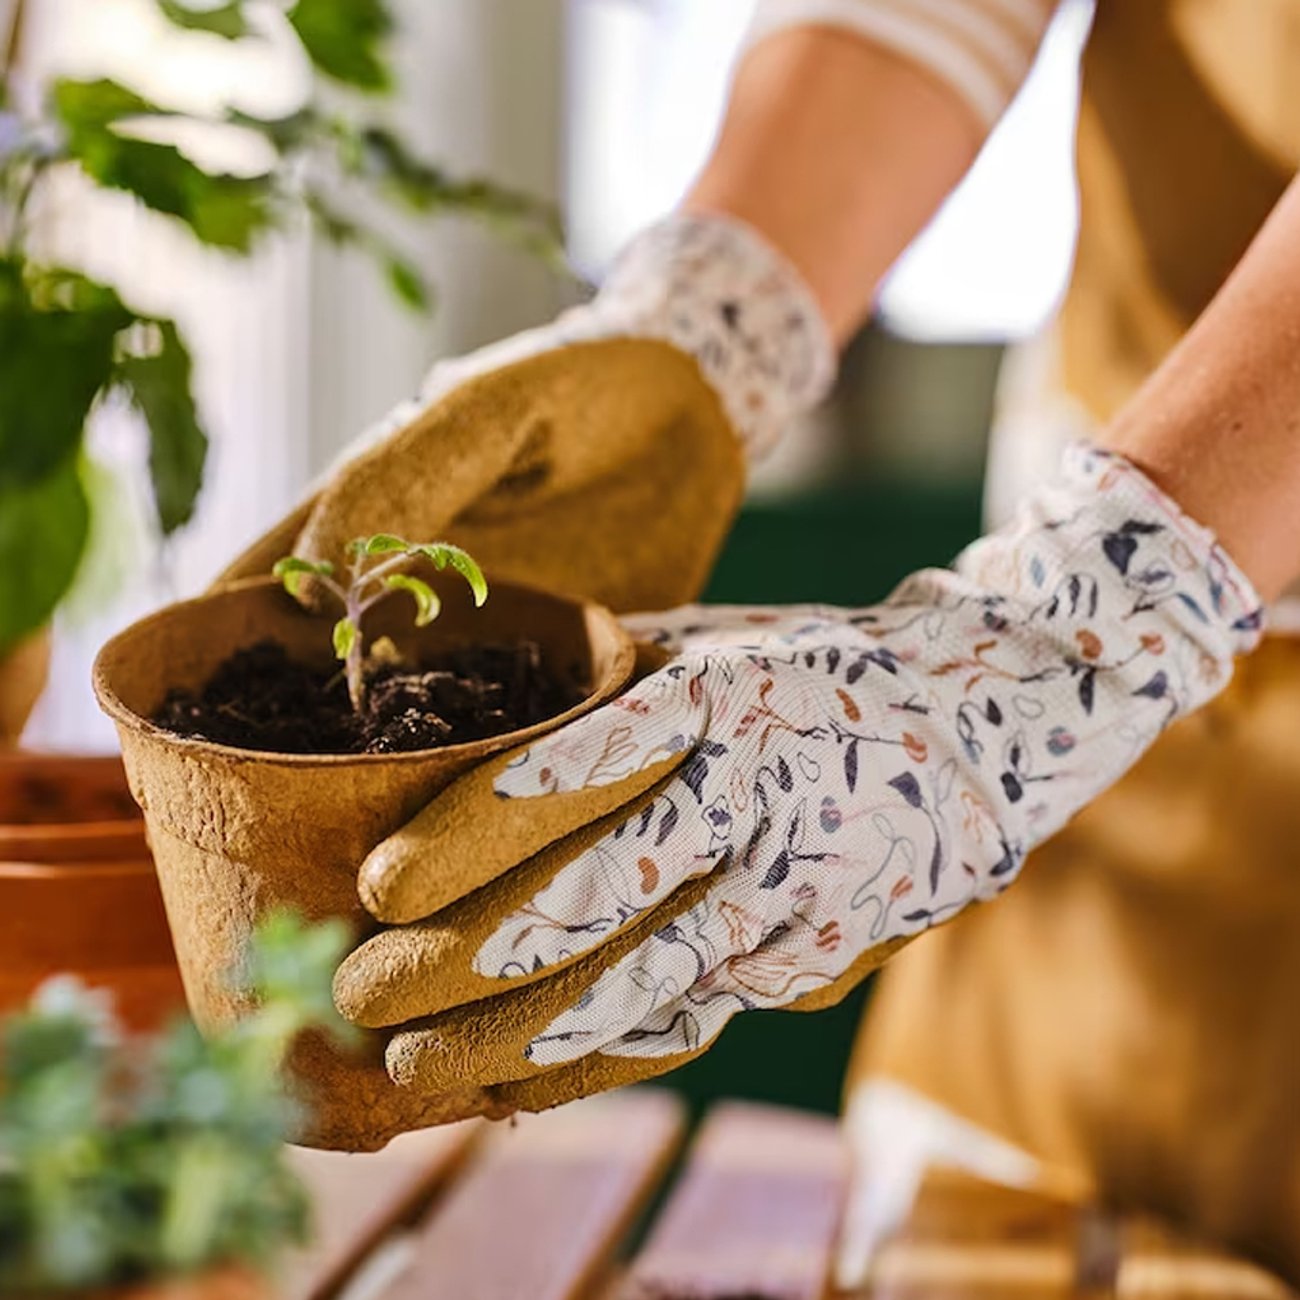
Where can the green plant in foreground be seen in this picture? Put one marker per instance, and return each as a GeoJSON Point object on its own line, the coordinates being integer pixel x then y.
{"type": "Point", "coordinates": [68, 342]}
{"type": "Point", "coordinates": [123, 1159]}
{"type": "Point", "coordinates": [377, 566]}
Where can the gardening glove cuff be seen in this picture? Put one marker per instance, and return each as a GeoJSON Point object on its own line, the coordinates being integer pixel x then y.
{"type": "Point", "coordinates": [709, 285]}
{"type": "Point", "coordinates": [795, 795]}
{"type": "Point", "coordinates": [713, 287]}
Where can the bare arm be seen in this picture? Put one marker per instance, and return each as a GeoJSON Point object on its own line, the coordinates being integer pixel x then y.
{"type": "Point", "coordinates": [1218, 424]}
{"type": "Point", "coordinates": [838, 152]}
{"type": "Point", "coordinates": [849, 123]}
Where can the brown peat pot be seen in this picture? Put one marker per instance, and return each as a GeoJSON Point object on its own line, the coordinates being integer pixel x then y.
{"type": "Point", "coordinates": [236, 833]}
{"type": "Point", "coordinates": [78, 891]}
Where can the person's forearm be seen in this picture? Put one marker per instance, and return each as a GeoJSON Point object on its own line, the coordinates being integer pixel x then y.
{"type": "Point", "coordinates": [1218, 424]}
{"type": "Point", "coordinates": [837, 152]}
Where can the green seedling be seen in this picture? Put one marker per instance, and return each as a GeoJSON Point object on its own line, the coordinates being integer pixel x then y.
{"type": "Point", "coordinates": [378, 565]}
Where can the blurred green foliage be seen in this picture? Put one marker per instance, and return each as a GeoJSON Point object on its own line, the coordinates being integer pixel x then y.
{"type": "Point", "coordinates": [125, 1159]}
{"type": "Point", "coordinates": [67, 342]}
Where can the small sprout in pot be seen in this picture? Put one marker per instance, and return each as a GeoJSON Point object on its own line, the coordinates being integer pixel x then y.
{"type": "Point", "coordinates": [378, 565]}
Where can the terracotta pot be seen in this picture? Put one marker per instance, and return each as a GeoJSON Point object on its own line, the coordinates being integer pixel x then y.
{"type": "Point", "coordinates": [23, 672]}
{"type": "Point", "coordinates": [236, 833]}
{"type": "Point", "coordinates": [78, 891]}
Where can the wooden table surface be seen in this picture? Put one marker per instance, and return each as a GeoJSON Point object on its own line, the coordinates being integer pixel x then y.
{"type": "Point", "coordinates": [607, 1200]}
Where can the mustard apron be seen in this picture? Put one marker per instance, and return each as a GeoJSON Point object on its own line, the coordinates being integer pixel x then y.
{"type": "Point", "coordinates": [1129, 1012]}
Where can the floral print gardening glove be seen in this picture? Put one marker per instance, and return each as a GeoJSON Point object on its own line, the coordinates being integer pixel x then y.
{"type": "Point", "coordinates": [796, 793]}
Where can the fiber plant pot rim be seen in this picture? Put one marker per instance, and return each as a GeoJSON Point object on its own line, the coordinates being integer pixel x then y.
{"type": "Point", "coordinates": [613, 680]}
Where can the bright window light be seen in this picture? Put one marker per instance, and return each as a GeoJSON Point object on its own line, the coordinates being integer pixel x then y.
{"type": "Point", "coordinates": [647, 86]}
{"type": "Point", "coordinates": [994, 262]}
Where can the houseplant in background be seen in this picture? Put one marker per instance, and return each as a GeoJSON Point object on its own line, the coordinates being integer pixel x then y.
{"type": "Point", "coordinates": [133, 1163]}
{"type": "Point", "coordinates": [70, 345]}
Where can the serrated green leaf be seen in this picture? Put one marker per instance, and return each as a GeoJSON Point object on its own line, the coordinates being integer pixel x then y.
{"type": "Point", "coordinates": [159, 386]}
{"type": "Point", "coordinates": [226, 211]}
{"type": "Point", "coordinates": [344, 40]}
{"type": "Point", "coordinates": [57, 288]}
{"type": "Point", "coordinates": [291, 570]}
{"type": "Point", "coordinates": [43, 531]}
{"type": "Point", "coordinates": [378, 544]}
{"type": "Point", "coordinates": [296, 564]}
{"type": "Point", "coordinates": [54, 360]}
{"type": "Point", "coordinates": [445, 555]}
{"type": "Point", "coordinates": [427, 604]}
{"type": "Point", "coordinates": [82, 105]}
{"type": "Point", "coordinates": [223, 210]}
{"type": "Point", "coordinates": [226, 20]}
{"type": "Point", "coordinates": [345, 637]}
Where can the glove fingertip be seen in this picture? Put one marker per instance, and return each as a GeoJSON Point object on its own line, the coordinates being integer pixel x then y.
{"type": "Point", "coordinates": [401, 974]}
{"type": "Point", "coordinates": [356, 1009]}
{"type": "Point", "coordinates": [372, 882]}
{"type": "Point", "coordinates": [431, 1060]}
{"type": "Point", "coordinates": [387, 884]}
{"type": "Point", "coordinates": [361, 993]}
{"type": "Point", "coordinates": [403, 1059]}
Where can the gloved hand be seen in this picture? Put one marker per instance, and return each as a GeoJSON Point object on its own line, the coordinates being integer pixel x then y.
{"type": "Point", "coordinates": [793, 796]}
{"type": "Point", "coordinates": [602, 455]}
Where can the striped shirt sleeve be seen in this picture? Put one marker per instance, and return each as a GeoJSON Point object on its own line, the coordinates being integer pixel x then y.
{"type": "Point", "coordinates": [981, 49]}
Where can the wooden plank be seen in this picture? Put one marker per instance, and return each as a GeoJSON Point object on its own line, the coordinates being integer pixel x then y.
{"type": "Point", "coordinates": [544, 1205]}
{"type": "Point", "coordinates": [1157, 1263]}
{"type": "Point", "coordinates": [754, 1214]}
{"type": "Point", "coordinates": [358, 1199]}
{"type": "Point", "coordinates": [971, 1240]}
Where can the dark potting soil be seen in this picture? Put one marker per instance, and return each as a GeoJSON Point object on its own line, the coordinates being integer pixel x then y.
{"type": "Point", "coordinates": [261, 699]}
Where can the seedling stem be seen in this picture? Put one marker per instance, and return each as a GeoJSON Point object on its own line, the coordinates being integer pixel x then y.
{"type": "Point", "coordinates": [378, 565]}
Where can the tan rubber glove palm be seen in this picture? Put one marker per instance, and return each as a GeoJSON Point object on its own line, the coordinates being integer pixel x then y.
{"type": "Point", "coordinates": [602, 455]}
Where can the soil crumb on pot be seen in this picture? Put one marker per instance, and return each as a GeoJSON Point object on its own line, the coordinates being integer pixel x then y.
{"type": "Point", "coordinates": [260, 699]}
